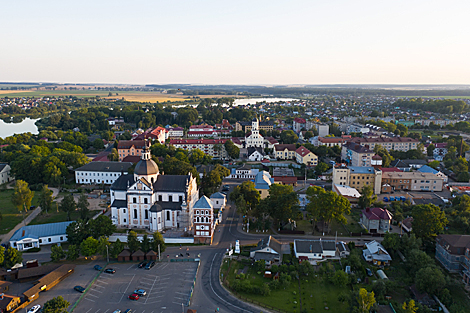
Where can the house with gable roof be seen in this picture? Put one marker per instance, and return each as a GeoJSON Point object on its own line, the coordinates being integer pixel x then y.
{"type": "Point", "coordinates": [305, 156]}
{"type": "Point", "coordinates": [203, 221]}
{"type": "Point", "coordinates": [374, 252]}
{"type": "Point", "coordinates": [268, 249]}
{"type": "Point", "coordinates": [376, 220]}
{"type": "Point", "coordinates": [263, 181]}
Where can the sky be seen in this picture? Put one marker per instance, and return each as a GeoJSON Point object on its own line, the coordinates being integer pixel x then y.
{"type": "Point", "coordinates": [235, 42]}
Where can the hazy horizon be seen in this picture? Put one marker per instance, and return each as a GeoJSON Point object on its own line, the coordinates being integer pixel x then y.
{"type": "Point", "coordinates": [243, 43]}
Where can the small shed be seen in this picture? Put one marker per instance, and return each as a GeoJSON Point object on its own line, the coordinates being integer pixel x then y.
{"type": "Point", "coordinates": [382, 274]}
{"type": "Point", "coordinates": [139, 255]}
{"type": "Point", "coordinates": [151, 255]}
{"type": "Point", "coordinates": [124, 256]}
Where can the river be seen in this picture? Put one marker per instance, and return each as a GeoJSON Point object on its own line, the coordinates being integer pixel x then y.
{"type": "Point", "coordinates": [9, 129]}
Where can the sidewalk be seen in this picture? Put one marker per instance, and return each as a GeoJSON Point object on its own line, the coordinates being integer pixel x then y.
{"type": "Point", "coordinates": [6, 238]}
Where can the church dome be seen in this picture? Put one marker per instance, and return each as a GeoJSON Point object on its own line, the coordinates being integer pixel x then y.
{"type": "Point", "coordinates": [146, 167]}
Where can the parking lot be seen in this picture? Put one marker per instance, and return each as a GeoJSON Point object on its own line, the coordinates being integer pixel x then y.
{"type": "Point", "coordinates": [168, 286]}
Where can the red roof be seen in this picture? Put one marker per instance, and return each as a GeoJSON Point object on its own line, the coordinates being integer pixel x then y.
{"type": "Point", "coordinates": [302, 151]}
{"type": "Point", "coordinates": [377, 214]}
{"type": "Point", "coordinates": [376, 157]}
{"type": "Point", "coordinates": [300, 120]}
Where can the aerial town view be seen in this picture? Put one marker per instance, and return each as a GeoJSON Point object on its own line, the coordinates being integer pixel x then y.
{"type": "Point", "coordinates": [246, 157]}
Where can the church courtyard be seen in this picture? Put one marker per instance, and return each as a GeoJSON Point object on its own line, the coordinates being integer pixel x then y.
{"type": "Point", "coordinates": [168, 285]}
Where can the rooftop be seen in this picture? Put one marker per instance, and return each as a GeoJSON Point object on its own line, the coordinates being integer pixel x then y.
{"type": "Point", "coordinates": [37, 231]}
{"type": "Point", "coordinates": [101, 166]}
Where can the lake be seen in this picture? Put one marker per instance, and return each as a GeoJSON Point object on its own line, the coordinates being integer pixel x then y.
{"type": "Point", "coordinates": [9, 129]}
{"type": "Point", "coordinates": [267, 100]}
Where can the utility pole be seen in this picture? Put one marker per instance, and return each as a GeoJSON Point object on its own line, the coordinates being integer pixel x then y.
{"type": "Point", "coordinates": [159, 256]}
{"type": "Point", "coordinates": [107, 253]}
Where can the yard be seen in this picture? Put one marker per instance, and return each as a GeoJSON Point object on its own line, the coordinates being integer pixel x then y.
{"type": "Point", "coordinates": [10, 215]}
{"type": "Point", "coordinates": [54, 216]}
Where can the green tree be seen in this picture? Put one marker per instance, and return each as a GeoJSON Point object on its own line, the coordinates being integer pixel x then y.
{"type": "Point", "coordinates": [102, 226]}
{"type": "Point", "coordinates": [68, 205]}
{"type": "Point", "coordinates": [145, 244]}
{"type": "Point", "coordinates": [132, 242]}
{"type": "Point", "coordinates": [98, 144]}
{"type": "Point", "coordinates": [116, 248]}
{"type": "Point", "coordinates": [2, 254]}
{"type": "Point", "coordinates": [430, 279]}
{"type": "Point", "coordinates": [77, 232]}
{"type": "Point", "coordinates": [22, 196]}
{"type": "Point", "coordinates": [72, 253]}
{"type": "Point", "coordinates": [45, 198]}
{"type": "Point", "coordinates": [211, 182]}
{"type": "Point", "coordinates": [245, 195]}
{"type": "Point", "coordinates": [308, 135]}
{"type": "Point", "coordinates": [289, 137]}
{"type": "Point", "coordinates": [391, 241]}
{"type": "Point", "coordinates": [428, 221]}
{"type": "Point", "coordinates": [409, 307]}
{"type": "Point", "coordinates": [282, 203]}
{"type": "Point", "coordinates": [196, 156]}
{"type": "Point", "coordinates": [57, 253]}
{"type": "Point", "coordinates": [384, 154]}
{"type": "Point", "coordinates": [430, 150]}
{"type": "Point", "coordinates": [82, 206]}
{"type": "Point", "coordinates": [340, 278]}
{"type": "Point", "coordinates": [367, 197]}
{"type": "Point", "coordinates": [89, 247]}
{"type": "Point", "coordinates": [321, 168]}
{"type": "Point", "coordinates": [157, 240]}
{"type": "Point", "coordinates": [327, 205]}
{"type": "Point", "coordinates": [12, 257]}
{"type": "Point", "coordinates": [365, 300]}
{"type": "Point", "coordinates": [113, 156]}
{"type": "Point", "coordinates": [417, 259]}
{"type": "Point", "coordinates": [232, 150]}
{"type": "Point", "coordinates": [56, 305]}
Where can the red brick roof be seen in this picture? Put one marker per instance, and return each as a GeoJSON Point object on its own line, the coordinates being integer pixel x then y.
{"type": "Point", "coordinates": [377, 214]}
{"type": "Point", "coordinates": [302, 151]}
{"type": "Point", "coordinates": [300, 120]}
{"type": "Point", "coordinates": [289, 147]}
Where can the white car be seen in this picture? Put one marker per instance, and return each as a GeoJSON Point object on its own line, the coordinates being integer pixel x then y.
{"type": "Point", "coordinates": [34, 309]}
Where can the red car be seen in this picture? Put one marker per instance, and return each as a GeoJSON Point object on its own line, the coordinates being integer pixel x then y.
{"type": "Point", "coordinates": [134, 296]}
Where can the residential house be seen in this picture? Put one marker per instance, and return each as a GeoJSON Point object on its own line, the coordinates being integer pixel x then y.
{"type": "Point", "coordinates": [323, 129]}
{"type": "Point", "coordinates": [255, 154]}
{"type": "Point", "coordinates": [298, 124]}
{"type": "Point", "coordinates": [130, 147]}
{"type": "Point", "coordinates": [244, 171]}
{"type": "Point", "coordinates": [441, 123]}
{"type": "Point", "coordinates": [175, 132]}
{"type": "Point", "coordinates": [201, 131]}
{"type": "Point", "coordinates": [101, 172]}
{"type": "Point", "coordinates": [5, 174]}
{"type": "Point", "coordinates": [313, 250]}
{"type": "Point", "coordinates": [218, 200]}
{"type": "Point", "coordinates": [376, 220]}
{"type": "Point", "coordinates": [268, 249]}
{"type": "Point", "coordinates": [33, 236]}
{"type": "Point", "coordinates": [374, 252]}
{"type": "Point", "coordinates": [157, 133]}
{"type": "Point", "coordinates": [343, 249]}
{"type": "Point", "coordinates": [408, 165]}
{"type": "Point", "coordinates": [451, 252]}
{"type": "Point", "coordinates": [285, 151]}
{"type": "Point", "coordinates": [305, 156]}
{"type": "Point", "coordinates": [347, 192]}
{"type": "Point", "coordinates": [267, 126]}
{"type": "Point", "coordinates": [356, 128]}
{"type": "Point", "coordinates": [331, 141]}
{"type": "Point", "coordinates": [263, 181]}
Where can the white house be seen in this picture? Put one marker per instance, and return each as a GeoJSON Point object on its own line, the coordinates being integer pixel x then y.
{"type": "Point", "coordinates": [244, 172]}
{"type": "Point", "coordinates": [5, 173]}
{"type": "Point", "coordinates": [313, 250]}
{"type": "Point", "coordinates": [268, 249]}
{"type": "Point", "coordinates": [33, 236]}
{"type": "Point", "coordinates": [374, 252]}
{"type": "Point", "coordinates": [175, 132]}
{"type": "Point", "coordinates": [255, 154]}
{"type": "Point", "coordinates": [101, 172]}
{"type": "Point", "coordinates": [219, 201]}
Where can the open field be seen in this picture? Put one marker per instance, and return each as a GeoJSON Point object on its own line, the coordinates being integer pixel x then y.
{"type": "Point", "coordinates": [10, 214]}
{"type": "Point", "coordinates": [138, 96]}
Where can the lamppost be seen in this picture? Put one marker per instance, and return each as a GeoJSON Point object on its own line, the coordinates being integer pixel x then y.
{"type": "Point", "coordinates": [107, 253]}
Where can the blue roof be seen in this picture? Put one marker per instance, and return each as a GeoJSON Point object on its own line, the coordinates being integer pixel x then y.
{"type": "Point", "coordinates": [362, 169]}
{"type": "Point", "coordinates": [427, 169]}
{"type": "Point", "coordinates": [38, 231]}
{"type": "Point", "coordinates": [203, 203]}
{"type": "Point", "coordinates": [263, 180]}
{"type": "Point", "coordinates": [218, 195]}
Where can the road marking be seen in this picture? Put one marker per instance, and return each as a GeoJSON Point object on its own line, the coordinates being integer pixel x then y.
{"type": "Point", "coordinates": [126, 289]}
{"type": "Point", "coordinates": [210, 282]}
{"type": "Point", "coordinates": [91, 295]}
{"type": "Point", "coordinates": [106, 311]}
{"type": "Point", "coordinates": [98, 286]}
{"type": "Point", "coordinates": [88, 310]}
{"type": "Point", "coordinates": [182, 293]}
{"type": "Point", "coordinates": [98, 291]}
{"type": "Point", "coordinates": [130, 267]}
{"type": "Point", "coordinates": [90, 300]}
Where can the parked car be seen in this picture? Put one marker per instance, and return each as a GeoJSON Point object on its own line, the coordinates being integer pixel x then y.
{"type": "Point", "coordinates": [110, 270]}
{"type": "Point", "coordinates": [117, 311]}
{"type": "Point", "coordinates": [226, 188]}
{"type": "Point", "coordinates": [34, 309]}
{"type": "Point", "coordinates": [140, 292]}
{"type": "Point", "coordinates": [128, 311]}
{"type": "Point", "coordinates": [134, 296]}
{"type": "Point", "coordinates": [79, 289]}
{"type": "Point", "coordinates": [369, 272]}
{"type": "Point", "coordinates": [150, 265]}
{"type": "Point", "coordinates": [97, 267]}
{"type": "Point", "coordinates": [142, 264]}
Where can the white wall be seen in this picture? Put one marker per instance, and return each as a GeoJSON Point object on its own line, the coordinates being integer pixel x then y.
{"type": "Point", "coordinates": [87, 177]}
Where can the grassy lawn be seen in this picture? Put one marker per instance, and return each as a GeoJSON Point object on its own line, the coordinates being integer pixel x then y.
{"type": "Point", "coordinates": [10, 214]}
{"type": "Point", "coordinates": [55, 217]}
{"type": "Point", "coordinates": [314, 293]}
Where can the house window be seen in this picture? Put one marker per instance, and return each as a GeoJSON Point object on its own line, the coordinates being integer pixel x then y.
{"type": "Point", "coordinates": [61, 238]}
{"type": "Point", "coordinates": [135, 213]}
{"type": "Point", "coordinates": [207, 212]}
{"type": "Point", "coordinates": [167, 215]}
{"type": "Point", "coordinates": [197, 212]}
{"type": "Point", "coordinates": [145, 200]}
{"type": "Point", "coordinates": [125, 221]}
{"type": "Point", "coordinates": [160, 198]}
{"type": "Point", "coordinates": [181, 198]}
{"type": "Point", "coordinates": [170, 198]}
{"type": "Point", "coordinates": [49, 239]}
{"type": "Point", "coordinates": [134, 200]}
{"type": "Point", "coordinates": [40, 240]}
{"type": "Point", "coordinates": [124, 211]}
{"type": "Point", "coordinates": [146, 214]}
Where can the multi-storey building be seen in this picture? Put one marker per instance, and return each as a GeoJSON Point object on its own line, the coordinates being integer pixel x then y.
{"type": "Point", "coordinates": [413, 181]}
{"type": "Point", "coordinates": [358, 177]}
{"type": "Point", "coordinates": [453, 252]}
{"type": "Point", "coordinates": [390, 143]}
{"type": "Point", "coordinates": [285, 151]}
{"type": "Point", "coordinates": [203, 221]}
{"type": "Point", "coordinates": [246, 126]}
{"type": "Point", "coordinates": [331, 141]}
{"type": "Point", "coordinates": [213, 147]}
{"type": "Point", "coordinates": [201, 131]}
{"type": "Point", "coordinates": [441, 123]}
{"type": "Point", "coordinates": [305, 156]}
{"type": "Point", "coordinates": [101, 172]}
{"type": "Point", "coordinates": [356, 155]}
{"type": "Point", "coordinates": [158, 133]}
{"type": "Point", "coordinates": [357, 128]}
{"type": "Point", "coordinates": [130, 147]}
{"type": "Point", "coordinates": [175, 132]}
{"type": "Point", "coordinates": [298, 124]}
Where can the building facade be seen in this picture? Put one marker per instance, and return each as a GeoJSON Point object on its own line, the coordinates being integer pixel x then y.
{"type": "Point", "coordinates": [33, 236]}
{"type": "Point", "coordinates": [101, 172]}
{"type": "Point", "coordinates": [203, 221]}
{"type": "Point", "coordinates": [453, 252]}
{"type": "Point", "coordinates": [305, 156]}
{"type": "Point", "coordinates": [285, 151]}
{"type": "Point", "coordinates": [376, 220]}
{"type": "Point", "coordinates": [389, 143]}
{"type": "Point", "coordinates": [358, 177]}
{"type": "Point", "coordinates": [356, 155]}
{"type": "Point", "coordinates": [254, 140]}
{"type": "Point", "coordinates": [267, 126]}
{"type": "Point", "coordinates": [213, 147]}
{"type": "Point", "coordinates": [413, 181]}
{"type": "Point", "coordinates": [5, 170]}
{"type": "Point", "coordinates": [130, 147]}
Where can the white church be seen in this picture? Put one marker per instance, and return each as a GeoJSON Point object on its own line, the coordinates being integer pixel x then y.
{"type": "Point", "coordinates": [150, 200]}
{"type": "Point", "coordinates": [255, 139]}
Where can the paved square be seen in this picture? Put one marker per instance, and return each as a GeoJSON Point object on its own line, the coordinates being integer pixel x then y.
{"type": "Point", "coordinates": [168, 285]}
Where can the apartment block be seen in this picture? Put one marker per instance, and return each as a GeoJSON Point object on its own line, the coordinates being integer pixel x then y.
{"type": "Point", "coordinates": [358, 177]}
{"type": "Point", "coordinates": [390, 143]}
{"type": "Point", "coordinates": [213, 147]}
{"type": "Point", "coordinates": [356, 155]}
{"type": "Point", "coordinates": [413, 181]}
